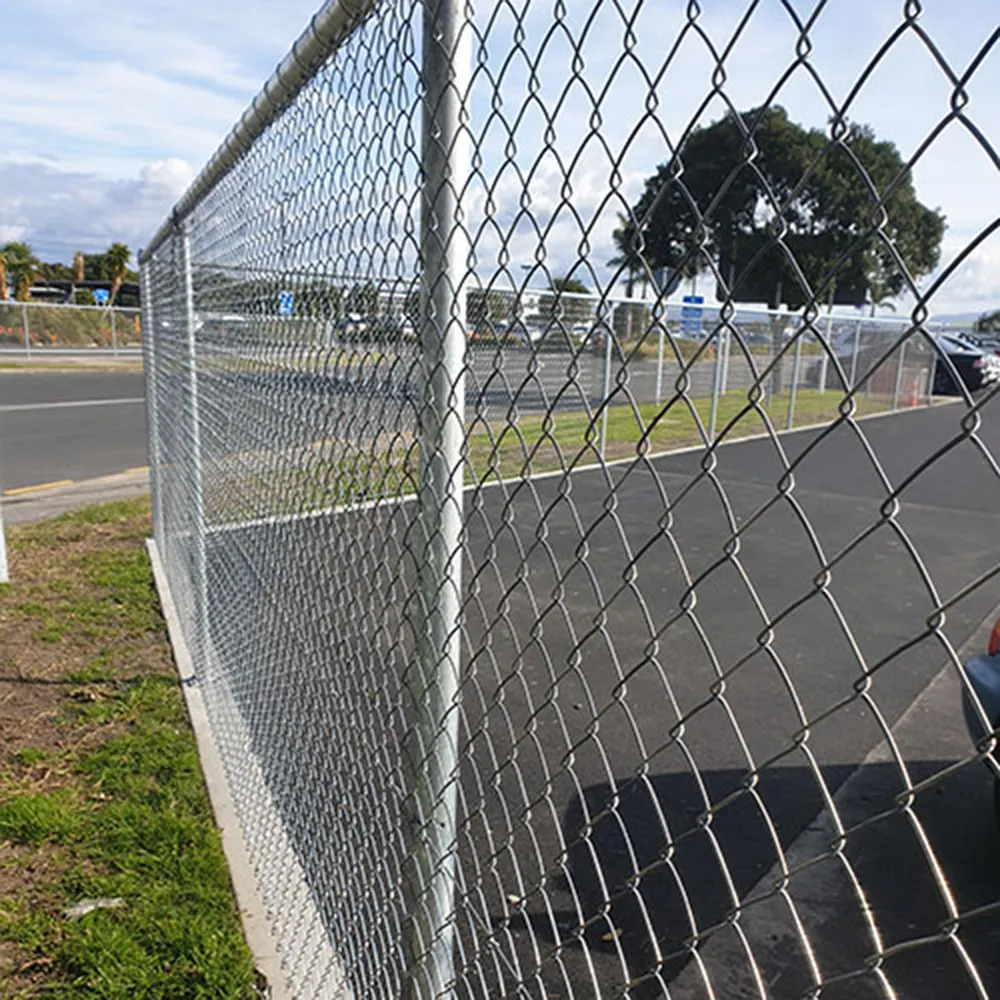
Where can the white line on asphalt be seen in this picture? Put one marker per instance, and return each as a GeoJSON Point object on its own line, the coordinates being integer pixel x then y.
{"type": "Point", "coordinates": [18, 407]}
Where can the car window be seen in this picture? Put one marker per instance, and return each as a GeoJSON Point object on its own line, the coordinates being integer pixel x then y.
{"type": "Point", "coordinates": [956, 346]}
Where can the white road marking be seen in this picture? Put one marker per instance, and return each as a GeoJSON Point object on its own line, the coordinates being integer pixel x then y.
{"type": "Point", "coordinates": [19, 407]}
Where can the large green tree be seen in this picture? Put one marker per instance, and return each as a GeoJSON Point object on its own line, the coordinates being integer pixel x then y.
{"type": "Point", "coordinates": [782, 214]}
{"type": "Point", "coordinates": [786, 215]}
{"type": "Point", "coordinates": [562, 303]}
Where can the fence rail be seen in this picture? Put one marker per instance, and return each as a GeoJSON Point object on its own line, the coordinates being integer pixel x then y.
{"type": "Point", "coordinates": [564, 643]}
{"type": "Point", "coordinates": [33, 327]}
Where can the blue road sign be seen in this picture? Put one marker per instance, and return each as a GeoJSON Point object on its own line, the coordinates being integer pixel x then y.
{"type": "Point", "coordinates": [691, 313]}
{"type": "Point", "coordinates": [101, 296]}
{"type": "Point", "coordinates": [286, 302]}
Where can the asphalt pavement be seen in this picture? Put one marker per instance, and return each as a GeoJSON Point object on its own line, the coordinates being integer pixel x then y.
{"type": "Point", "coordinates": [57, 426]}
{"type": "Point", "coordinates": [669, 668]}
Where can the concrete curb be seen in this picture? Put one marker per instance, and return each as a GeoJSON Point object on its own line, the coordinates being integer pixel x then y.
{"type": "Point", "coordinates": [251, 907]}
{"type": "Point", "coordinates": [39, 504]}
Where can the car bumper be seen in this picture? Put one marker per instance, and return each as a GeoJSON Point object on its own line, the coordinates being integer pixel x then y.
{"type": "Point", "coordinates": [983, 674]}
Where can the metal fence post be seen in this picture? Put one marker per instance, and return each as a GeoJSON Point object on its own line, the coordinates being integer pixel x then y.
{"type": "Point", "coordinates": [152, 410]}
{"type": "Point", "coordinates": [609, 337]}
{"type": "Point", "coordinates": [824, 358]}
{"type": "Point", "coordinates": [854, 355]}
{"type": "Point", "coordinates": [114, 334]}
{"type": "Point", "coordinates": [897, 388]}
{"type": "Point", "coordinates": [197, 473]}
{"type": "Point", "coordinates": [793, 391]}
{"type": "Point", "coordinates": [727, 341]}
{"type": "Point", "coordinates": [24, 323]}
{"type": "Point", "coordinates": [659, 362]}
{"type": "Point", "coordinates": [433, 752]}
{"type": "Point", "coordinates": [716, 385]}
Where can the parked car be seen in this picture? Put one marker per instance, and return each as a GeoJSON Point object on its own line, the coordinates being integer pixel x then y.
{"type": "Point", "coordinates": [976, 368]}
{"type": "Point", "coordinates": [983, 674]}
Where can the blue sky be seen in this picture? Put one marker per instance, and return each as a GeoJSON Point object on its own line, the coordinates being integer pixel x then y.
{"type": "Point", "coordinates": [104, 123]}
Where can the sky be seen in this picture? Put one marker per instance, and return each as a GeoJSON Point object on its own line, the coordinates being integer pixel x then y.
{"type": "Point", "coordinates": [103, 126]}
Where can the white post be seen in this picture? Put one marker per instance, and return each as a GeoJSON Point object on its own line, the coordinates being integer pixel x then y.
{"type": "Point", "coordinates": [727, 341]}
{"type": "Point", "coordinates": [824, 358]}
{"type": "Point", "coordinates": [114, 333]}
{"type": "Point", "coordinates": [793, 391]}
{"type": "Point", "coordinates": [4, 569]}
{"type": "Point", "coordinates": [152, 411]}
{"type": "Point", "coordinates": [659, 361]}
{"type": "Point", "coordinates": [606, 388]}
{"type": "Point", "coordinates": [854, 356]}
{"type": "Point", "coordinates": [435, 679]}
{"type": "Point", "coordinates": [716, 385]}
{"type": "Point", "coordinates": [196, 472]}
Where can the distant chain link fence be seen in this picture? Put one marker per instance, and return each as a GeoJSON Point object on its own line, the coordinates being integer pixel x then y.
{"type": "Point", "coordinates": [541, 660]}
{"type": "Point", "coordinates": [26, 327]}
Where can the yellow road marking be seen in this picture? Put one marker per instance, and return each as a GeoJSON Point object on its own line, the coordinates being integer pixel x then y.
{"type": "Point", "coordinates": [138, 468]}
{"type": "Point", "coordinates": [40, 486]}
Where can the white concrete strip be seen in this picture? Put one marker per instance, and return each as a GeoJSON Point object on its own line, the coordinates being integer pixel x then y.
{"type": "Point", "coordinates": [252, 912]}
{"type": "Point", "coordinates": [22, 407]}
{"type": "Point", "coordinates": [266, 915]}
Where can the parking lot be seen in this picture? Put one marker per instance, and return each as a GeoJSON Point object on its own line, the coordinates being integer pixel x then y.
{"type": "Point", "coordinates": [661, 685]}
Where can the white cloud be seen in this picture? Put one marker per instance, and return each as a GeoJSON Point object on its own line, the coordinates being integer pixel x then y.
{"type": "Point", "coordinates": [114, 122]}
{"type": "Point", "coordinates": [60, 212]}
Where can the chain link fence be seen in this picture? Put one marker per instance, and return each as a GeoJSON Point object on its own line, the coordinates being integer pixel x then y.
{"type": "Point", "coordinates": [542, 659]}
{"type": "Point", "coordinates": [27, 327]}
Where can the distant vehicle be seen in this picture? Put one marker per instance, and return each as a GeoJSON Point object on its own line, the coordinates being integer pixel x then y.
{"type": "Point", "coordinates": [983, 675]}
{"type": "Point", "coordinates": [976, 368]}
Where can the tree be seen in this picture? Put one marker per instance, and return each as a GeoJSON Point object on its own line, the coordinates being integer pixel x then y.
{"type": "Point", "coordinates": [117, 256]}
{"type": "Point", "coordinates": [784, 214]}
{"type": "Point", "coordinates": [78, 274]}
{"type": "Point", "coordinates": [21, 266]}
{"type": "Point", "coordinates": [988, 323]}
{"type": "Point", "coordinates": [630, 257]}
{"type": "Point", "coordinates": [566, 308]}
{"type": "Point", "coordinates": [3, 278]}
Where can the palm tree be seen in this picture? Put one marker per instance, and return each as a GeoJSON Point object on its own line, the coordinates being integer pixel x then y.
{"type": "Point", "coordinates": [628, 256]}
{"type": "Point", "coordinates": [3, 278]}
{"type": "Point", "coordinates": [79, 273]}
{"type": "Point", "coordinates": [22, 266]}
{"type": "Point", "coordinates": [878, 298]}
{"type": "Point", "coordinates": [117, 256]}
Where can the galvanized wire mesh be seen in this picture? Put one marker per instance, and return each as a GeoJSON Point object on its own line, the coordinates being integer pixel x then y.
{"type": "Point", "coordinates": [541, 661]}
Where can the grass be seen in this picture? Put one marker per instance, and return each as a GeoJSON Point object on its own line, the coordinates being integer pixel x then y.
{"type": "Point", "coordinates": [549, 442]}
{"type": "Point", "coordinates": [101, 793]}
{"type": "Point", "coordinates": [340, 472]}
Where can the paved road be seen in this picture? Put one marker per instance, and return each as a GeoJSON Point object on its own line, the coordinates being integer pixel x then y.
{"type": "Point", "coordinates": [69, 425]}
{"type": "Point", "coordinates": [605, 709]}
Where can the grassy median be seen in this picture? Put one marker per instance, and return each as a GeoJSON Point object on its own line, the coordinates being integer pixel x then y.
{"type": "Point", "coordinates": [336, 471]}
{"type": "Point", "coordinates": [101, 794]}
